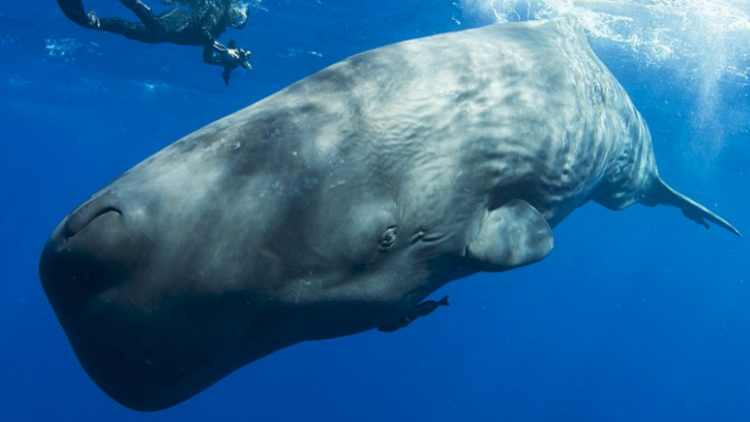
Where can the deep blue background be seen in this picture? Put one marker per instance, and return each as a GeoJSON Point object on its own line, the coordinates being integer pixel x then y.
{"type": "Point", "coordinates": [639, 315]}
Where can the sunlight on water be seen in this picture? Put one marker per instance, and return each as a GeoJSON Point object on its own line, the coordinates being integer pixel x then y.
{"type": "Point", "coordinates": [660, 31]}
{"type": "Point", "coordinates": [67, 49]}
{"type": "Point", "coordinates": [705, 45]}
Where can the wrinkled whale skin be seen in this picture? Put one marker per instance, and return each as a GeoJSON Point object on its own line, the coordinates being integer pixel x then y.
{"type": "Point", "coordinates": [339, 203]}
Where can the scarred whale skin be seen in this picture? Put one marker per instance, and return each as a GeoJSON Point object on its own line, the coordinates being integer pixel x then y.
{"type": "Point", "coordinates": [339, 203]}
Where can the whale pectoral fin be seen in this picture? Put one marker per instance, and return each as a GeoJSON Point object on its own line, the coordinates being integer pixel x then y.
{"type": "Point", "coordinates": [513, 235]}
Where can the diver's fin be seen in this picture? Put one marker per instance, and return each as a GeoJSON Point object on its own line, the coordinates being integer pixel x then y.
{"type": "Point", "coordinates": [511, 236]}
{"type": "Point", "coordinates": [73, 10]}
{"type": "Point", "coordinates": [661, 193]}
{"type": "Point", "coordinates": [444, 302]}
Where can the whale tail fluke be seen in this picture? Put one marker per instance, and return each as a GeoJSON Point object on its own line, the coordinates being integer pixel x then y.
{"type": "Point", "coordinates": [661, 194]}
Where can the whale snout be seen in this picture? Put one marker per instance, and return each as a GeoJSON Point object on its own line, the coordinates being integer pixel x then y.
{"type": "Point", "coordinates": [78, 265]}
{"type": "Point", "coordinates": [89, 268]}
{"type": "Point", "coordinates": [134, 309]}
{"type": "Point", "coordinates": [92, 250]}
{"type": "Point", "coordinates": [86, 214]}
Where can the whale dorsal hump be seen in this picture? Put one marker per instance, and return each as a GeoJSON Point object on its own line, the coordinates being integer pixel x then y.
{"type": "Point", "coordinates": [511, 236]}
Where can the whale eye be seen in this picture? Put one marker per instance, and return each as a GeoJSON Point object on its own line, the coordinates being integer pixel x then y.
{"type": "Point", "coordinates": [388, 238]}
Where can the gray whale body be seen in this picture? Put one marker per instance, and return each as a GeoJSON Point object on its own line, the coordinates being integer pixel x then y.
{"type": "Point", "coordinates": [339, 203]}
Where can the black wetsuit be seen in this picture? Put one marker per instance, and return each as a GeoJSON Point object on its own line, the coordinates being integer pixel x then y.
{"type": "Point", "coordinates": [74, 11]}
{"type": "Point", "coordinates": [200, 26]}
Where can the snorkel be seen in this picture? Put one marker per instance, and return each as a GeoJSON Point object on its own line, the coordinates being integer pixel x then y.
{"type": "Point", "coordinates": [238, 12]}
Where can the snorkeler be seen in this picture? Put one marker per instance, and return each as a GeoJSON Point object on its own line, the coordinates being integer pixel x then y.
{"type": "Point", "coordinates": [201, 25]}
{"type": "Point", "coordinates": [423, 309]}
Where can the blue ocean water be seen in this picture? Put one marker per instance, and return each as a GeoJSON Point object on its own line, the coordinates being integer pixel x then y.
{"type": "Point", "coordinates": [639, 315]}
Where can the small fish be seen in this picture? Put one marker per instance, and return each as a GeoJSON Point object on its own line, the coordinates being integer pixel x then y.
{"type": "Point", "coordinates": [423, 309]}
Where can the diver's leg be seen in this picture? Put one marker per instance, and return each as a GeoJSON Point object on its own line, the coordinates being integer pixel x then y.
{"type": "Point", "coordinates": [132, 30]}
{"type": "Point", "coordinates": [143, 12]}
{"type": "Point", "coordinates": [73, 10]}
